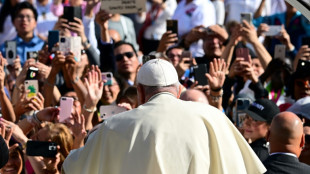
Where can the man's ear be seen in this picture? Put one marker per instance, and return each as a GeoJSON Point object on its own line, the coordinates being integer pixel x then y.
{"type": "Point", "coordinates": [302, 141]}
{"type": "Point", "coordinates": [268, 135]}
{"type": "Point", "coordinates": [180, 90]}
{"type": "Point", "coordinates": [141, 94]}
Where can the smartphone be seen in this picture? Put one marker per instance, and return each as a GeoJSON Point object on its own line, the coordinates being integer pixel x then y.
{"type": "Point", "coordinates": [303, 66]}
{"type": "Point", "coordinates": [199, 74]}
{"type": "Point", "coordinates": [72, 44]}
{"type": "Point", "coordinates": [32, 55]}
{"type": "Point", "coordinates": [32, 73]}
{"type": "Point", "coordinates": [108, 76]}
{"type": "Point", "coordinates": [306, 41]}
{"type": "Point", "coordinates": [146, 58]}
{"type": "Point", "coordinates": [280, 51]}
{"type": "Point", "coordinates": [53, 38]}
{"type": "Point", "coordinates": [10, 51]}
{"type": "Point", "coordinates": [108, 111]}
{"type": "Point", "coordinates": [41, 148]}
{"type": "Point", "coordinates": [172, 25]}
{"type": "Point", "coordinates": [187, 54]}
{"type": "Point", "coordinates": [244, 53]}
{"type": "Point", "coordinates": [32, 86]}
{"type": "Point", "coordinates": [241, 104]}
{"type": "Point", "coordinates": [66, 104]}
{"type": "Point", "coordinates": [274, 30]}
{"type": "Point", "coordinates": [247, 17]}
{"type": "Point", "coordinates": [70, 12]}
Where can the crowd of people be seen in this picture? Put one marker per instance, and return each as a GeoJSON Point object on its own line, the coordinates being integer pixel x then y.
{"type": "Point", "coordinates": [181, 98]}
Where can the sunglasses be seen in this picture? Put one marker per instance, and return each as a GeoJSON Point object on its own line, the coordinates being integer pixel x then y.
{"type": "Point", "coordinates": [120, 57]}
{"type": "Point", "coordinates": [302, 83]}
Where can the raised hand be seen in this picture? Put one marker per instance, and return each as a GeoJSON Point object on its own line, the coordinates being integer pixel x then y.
{"type": "Point", "coordinates": [216, 75]}
{"type": "Point", "coordinates": [78, 28]}
{"type": "Point", "coordinates": [102, 18]}
{"type": "Point", "coordinates": [94, 87]}
{"type": "Point", "coordinates": [168, 39]}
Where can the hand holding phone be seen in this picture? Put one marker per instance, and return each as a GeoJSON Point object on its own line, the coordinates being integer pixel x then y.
{"type": "Point", "coordinates": [172, 25]}
{"type": "Point", "coordinates": [41, 148]}
{"type": "Point", "coordinates": [247, 17]}
{"type": "Point", "coordinates": [244, 53]}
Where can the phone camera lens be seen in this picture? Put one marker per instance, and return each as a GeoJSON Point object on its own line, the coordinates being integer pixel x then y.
{"type": "Point", "coordinates": [63, 40]}
{"type": "Point", "coordinates": [10, 54]}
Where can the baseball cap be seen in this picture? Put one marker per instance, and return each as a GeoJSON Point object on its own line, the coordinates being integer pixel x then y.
{"type": "Point", "coordinates": [263, 110]}
{"type": "Point", "coordinates": [157, 72]}
{"type": "Point", "coordinates": [4, 152]}
{"type": "Point", "coordinates": [301, 107]}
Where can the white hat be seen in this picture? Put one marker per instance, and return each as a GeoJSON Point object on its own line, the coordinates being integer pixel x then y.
{"type": "Point", "coordinates": [157, 72]}
{"type": "Point", "coordinates": [301, 107]}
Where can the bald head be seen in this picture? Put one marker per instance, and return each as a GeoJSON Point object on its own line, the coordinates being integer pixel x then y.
{"type": "Point", "coordinates": [286, 133]}
{"type": "Point", "coordinates": [194, 95]}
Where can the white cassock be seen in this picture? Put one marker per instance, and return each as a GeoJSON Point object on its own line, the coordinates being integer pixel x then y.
{"type": "Point", "coordinates": [166, 135]}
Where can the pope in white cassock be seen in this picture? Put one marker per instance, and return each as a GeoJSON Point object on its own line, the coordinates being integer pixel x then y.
{"type": "Point", "coordinates": [164, 135]}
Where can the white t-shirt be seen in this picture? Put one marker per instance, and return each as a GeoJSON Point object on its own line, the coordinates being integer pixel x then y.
{"type": "Point", "coordinates": [158, 26]}
{"type": "Point", "coordinates": [198, 12]}
{"type": "Point", "coordinates": [235, 7]}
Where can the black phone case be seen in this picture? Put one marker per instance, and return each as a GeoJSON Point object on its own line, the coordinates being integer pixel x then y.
{"type": "Point", "coordinates": [172, 25]}
{"type": "Point", "coordinates": [41, 148]}
{"type": "Point", "coordinates": [199, 73]}
{"type": "Point", "coordinates": [33, 76]}
{"type": "Point", "coordinates": [53, 38]}
{"type": "Point", "coordinates": [306, 41]}
{"type": "Point", "coordinates": [70, 12]}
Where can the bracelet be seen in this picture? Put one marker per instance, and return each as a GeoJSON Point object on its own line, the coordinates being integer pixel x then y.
{"type": "Point", "coordinates": [217, 89]}
{"type": "Point", "coordinates": [74, 81]}
{"type": "Point", "coordinates": [89, 110]}
{"type": "Point", "coordinates": [34, 115]}
{"type": "Point", "coordinates": [226, 41]}
{"type": "Point", "coordinates": [216, 98]}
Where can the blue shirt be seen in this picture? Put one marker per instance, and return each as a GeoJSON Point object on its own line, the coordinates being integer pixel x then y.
{"type": "Point", "coordinates": [23, 47]}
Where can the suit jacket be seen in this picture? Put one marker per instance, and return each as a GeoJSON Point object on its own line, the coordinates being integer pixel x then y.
{"type": "Point", "coordinates": [166, 135]}
{"type": "Point", "coordinates": [285, 164]}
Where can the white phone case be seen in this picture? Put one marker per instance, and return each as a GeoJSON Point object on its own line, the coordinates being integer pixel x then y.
{"type": "Point", "coordinates": [274, 30]}
{"type": "Point", "coordinates": [109, 111]}
{"type": "Point", "coordinates": [279, 51]}
{"type": "Point", "coordinates": [10, 52]}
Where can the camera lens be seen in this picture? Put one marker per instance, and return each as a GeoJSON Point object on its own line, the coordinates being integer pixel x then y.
{"type": "Point", "coordinates": [108, 75]}
{"type": "Point", "coordinates": [10, 54]}
{"type": "Point", "coordinates": [63, 40]}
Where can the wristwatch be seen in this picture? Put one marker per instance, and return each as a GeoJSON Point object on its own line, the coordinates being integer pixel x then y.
{"type": "Point", "coordinates": [85, 44]}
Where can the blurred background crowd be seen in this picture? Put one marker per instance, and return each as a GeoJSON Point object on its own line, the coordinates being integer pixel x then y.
{"type": "Point", "coordinates": [61, 75]}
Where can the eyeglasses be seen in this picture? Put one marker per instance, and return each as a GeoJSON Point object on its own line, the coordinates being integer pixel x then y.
{"type": "Point", "coordinates": [21, 17]}
{"type": "Point", "coordinates": [302, 83]}
{"type": "Point", "coordinates": [120, 57]}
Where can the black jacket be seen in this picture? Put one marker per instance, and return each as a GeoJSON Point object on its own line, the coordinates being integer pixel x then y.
{"type": "Point", "coordinates": [285, 164]}
{"type": "Point", "coordinates": [260, 148]}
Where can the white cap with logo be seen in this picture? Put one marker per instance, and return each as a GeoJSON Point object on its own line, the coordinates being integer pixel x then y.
{"type": "Point", "coordinates": [157, 72]}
